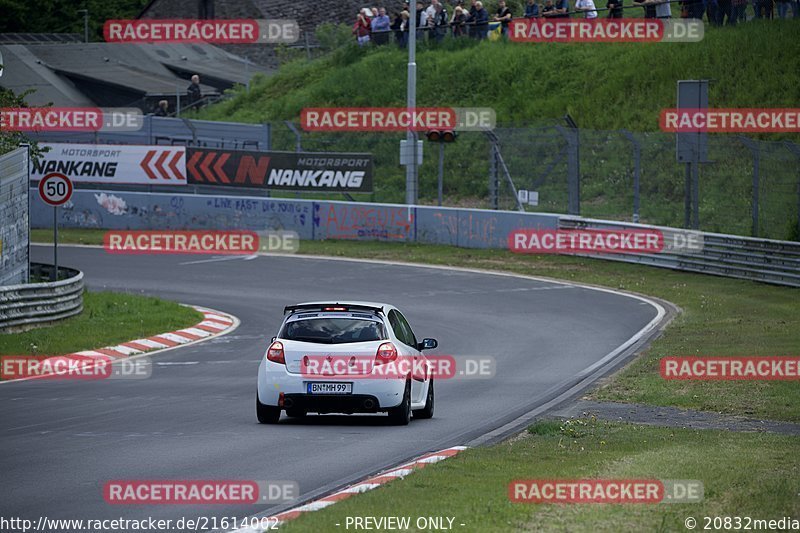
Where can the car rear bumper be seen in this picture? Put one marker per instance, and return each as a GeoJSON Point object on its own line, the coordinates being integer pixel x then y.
{"type": "Point", "coordinates": [332, 403]}
{"type": "Point", "coordinates": [274, 380]}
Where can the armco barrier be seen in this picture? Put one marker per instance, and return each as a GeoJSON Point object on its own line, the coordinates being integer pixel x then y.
{"type": "Point", "coordinates": [31, 304]}
{"type": "Point", "coordinates": [732, 256]}
{"type": "Point", "coordinates": [764, 260]}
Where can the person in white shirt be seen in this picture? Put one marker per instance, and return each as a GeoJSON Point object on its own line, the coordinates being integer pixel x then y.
{"type": "Point", "coordinates": [430, 11]}
{"type": "Point", "coordinates": [663, 11]}
{"type": "Point", "coordinates": [587, 6]}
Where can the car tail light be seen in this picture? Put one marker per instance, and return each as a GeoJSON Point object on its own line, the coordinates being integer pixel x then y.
{"type": "Point", "coordinates": [334, 309]}
{"type": "Point", "coordinates": [386, 353]}
{"type": "Point", "coordinates": [275, 353]}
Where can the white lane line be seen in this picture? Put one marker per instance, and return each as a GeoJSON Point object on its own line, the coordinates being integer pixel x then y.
{"type": "Point", "coordinates": [222, 258]}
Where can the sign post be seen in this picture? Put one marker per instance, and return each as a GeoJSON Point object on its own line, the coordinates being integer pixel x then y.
{"type": "Point", "coordinates": [55, 189]}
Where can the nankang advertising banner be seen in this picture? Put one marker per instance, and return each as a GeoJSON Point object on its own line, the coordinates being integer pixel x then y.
{"type": "Point", "coordinates": [289, 171]}
{"type": "Point", "coordinates": [113, 163]}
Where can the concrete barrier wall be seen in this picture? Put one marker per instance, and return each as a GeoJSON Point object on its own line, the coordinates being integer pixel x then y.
{"type": "Point", "coordinates": [311, 219]}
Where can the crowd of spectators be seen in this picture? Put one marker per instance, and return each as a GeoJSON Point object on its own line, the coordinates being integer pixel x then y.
{"type": "Point", "coordinates": [435, 21]}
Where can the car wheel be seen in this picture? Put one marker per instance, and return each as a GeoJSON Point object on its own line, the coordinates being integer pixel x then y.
{"type": "Point", "coordinates": [401, 415]}
{"type": "Point", "coordinates": [427, 411]}
{"type": "Point", "coordinates": [296, 413]}
{"type": "Point", "coordinates": [267, 414]}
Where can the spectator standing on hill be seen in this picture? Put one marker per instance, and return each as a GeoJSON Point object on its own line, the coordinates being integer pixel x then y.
{"type": "Point", "coordinates": [161, 109]}
{"type": "Point", "coordinates": [562, 9]}
{"type": "Point", "coordinates": [724, 9]}
{"type": "Point", "coordinates": [361, 27]}
{"type": "Point", "coordinates": [194, 93]}
{"type": "Point", "coordinates": [614, 9]}
{"type": "Point", "coordinates": [459, 21]}
{"type": "Point", "coordinates": [711, 12]}
{"type": "Point", "coordinates": [430, 11]}
{"type": "Point", "coordinates": [739, 8]}
{"type": "Point", "coordinates": [481, 21]}
{"type": "Point", "coordinates": [471, 19]}
{"type": "Point", "coordinates": [663, 9]}
{"type": "Point", "coordinates": [503, 17]}
{"type": "Point", "coordinates": [402, 32]}
{"type": "Point", "coordinates": [549, 10]}
{"type": "Point", "coordinates": [440, 22]}
{"type": "Point", "coordinates": [649, 8]}
{"type": "Point", "coordinates": [531, 10]}
{"type": "Point", "coordinates": [587, 7]}
{"type": "Point", "coordinates": [782, 7]}
{"type": "Point", "coordinates": [379, 26]}
{"type": "Point", "coordinates": [422, 20]}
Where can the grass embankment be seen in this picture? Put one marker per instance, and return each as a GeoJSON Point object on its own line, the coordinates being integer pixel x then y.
{"type": "Point", "coordinates": [107, 319]}
{"type": "Point", "coordinates": [602, 86]}
{"type": "Point", "coordinates": [744, 474]}
{"type": "Point", "coordinates": [721, 316]}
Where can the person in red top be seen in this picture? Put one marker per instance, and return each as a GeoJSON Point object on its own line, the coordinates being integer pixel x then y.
{"type": "Point", "coordinates": [361, 29]}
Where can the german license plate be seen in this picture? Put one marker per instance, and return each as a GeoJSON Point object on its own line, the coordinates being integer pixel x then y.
{"type": "Point", "coordinates": [330, 388]}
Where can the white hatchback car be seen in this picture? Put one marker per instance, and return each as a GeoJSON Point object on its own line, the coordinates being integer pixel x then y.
{"type": "Point", "coordinates": [345, 357]}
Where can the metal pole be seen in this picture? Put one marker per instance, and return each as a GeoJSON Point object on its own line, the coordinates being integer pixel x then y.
{"type": "Point", "coordinates": [441, 171]}
{"type": "Point", "coordinates": [493, 181]}
{"type": "Point", "coordinates": [687, 197]}
{"type": "Point", "coordinates": [177, 101]}
{"type": "Point", "coordinates": [28, 202]}
{"type": "Point", "coordinates": [756, 165]}
{"type": "Point", "coordinates": [696, 196]}
{"type": "Point", "coordinates": [85, 24]}
{"type": "Point", "coordinates": [637, 160]}
{"type": "Point", "coordinates": [411, 95]}
{"type": "Point", "coordinates": [54, 274]}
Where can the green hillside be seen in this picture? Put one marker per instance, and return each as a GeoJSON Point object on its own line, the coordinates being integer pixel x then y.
{"type": "Point", "coordinates": [602, 86]}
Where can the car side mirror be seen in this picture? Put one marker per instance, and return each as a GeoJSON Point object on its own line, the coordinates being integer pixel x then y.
{"type": "Point", "coordinates": [427, 344]}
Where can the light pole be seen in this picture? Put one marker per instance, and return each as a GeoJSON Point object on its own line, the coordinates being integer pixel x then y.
{"type": "Point", "coordinates": [85, 24]}
{"type": "Point", "coordinates": [411, 93]}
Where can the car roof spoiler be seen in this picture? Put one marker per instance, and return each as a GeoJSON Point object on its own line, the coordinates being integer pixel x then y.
{"type": "Point", "coordinates": [322, 306]}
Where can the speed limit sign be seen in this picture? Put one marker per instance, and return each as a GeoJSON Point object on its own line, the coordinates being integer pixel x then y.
{"type": "Point", "coordinates": [55, 189]}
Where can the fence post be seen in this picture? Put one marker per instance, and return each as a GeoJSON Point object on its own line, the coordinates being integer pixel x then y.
{"type": "Point", "coordinates": [493, 182]}
{"type": "Point", "coordinates": [756, 151]}
{"type": "Point", "coordinates": [573, 169]}
{"type": "Point", "coordinates": [795, 149]}
{"type": "Point", "coordinates": [637, 159]}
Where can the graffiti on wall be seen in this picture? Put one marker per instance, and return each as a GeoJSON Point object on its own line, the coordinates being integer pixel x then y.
{"type": "Point", "coordinates": [342, 221]}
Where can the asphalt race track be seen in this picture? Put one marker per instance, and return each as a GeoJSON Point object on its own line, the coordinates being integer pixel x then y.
{"type": "Point", "coordinates": [62, 440]}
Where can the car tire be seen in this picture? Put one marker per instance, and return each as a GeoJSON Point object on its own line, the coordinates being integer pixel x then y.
{"type": "Point", "coordinates": [296, 413]}
{"type": "Point", "coordinates": [267, 414]}
{"type": "Point", "coordinates": [401, 415]}
{"type": "Point", "coordinates": [427, 411]}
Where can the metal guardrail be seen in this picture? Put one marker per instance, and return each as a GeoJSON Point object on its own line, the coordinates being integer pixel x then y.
{"type": "Point", "coordinates": [32, 304]}
{"type": "Point", "coordinates": [733, 256]}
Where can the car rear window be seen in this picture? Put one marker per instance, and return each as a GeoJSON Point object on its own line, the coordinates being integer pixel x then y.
{"type": "Point", "coordinates": [333, 330]}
